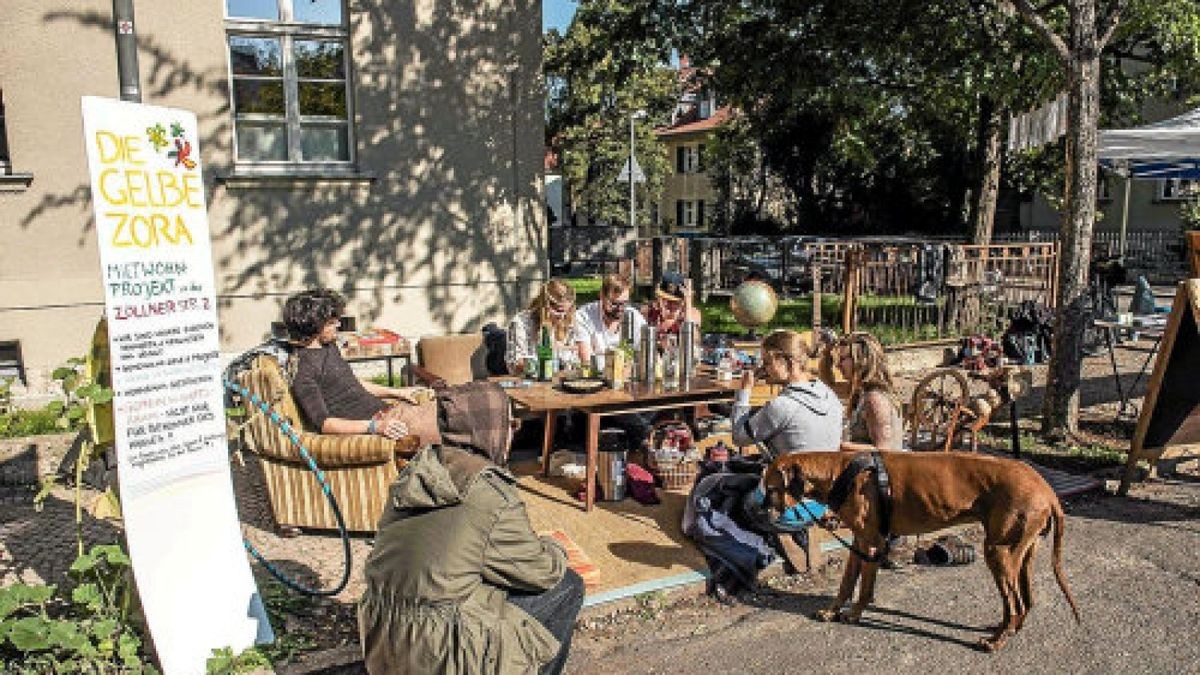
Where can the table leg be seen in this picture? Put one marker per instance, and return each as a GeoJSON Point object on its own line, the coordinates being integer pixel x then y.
{"type": "Point", "coordinates": [391, 376]}
{"type": "Point", "coordinates": [1112, 358]}
{"type": "Point", "coordinates": [593, 443]}
{"type": "Point", "coordinates": [548, 440]}
{"type": "Point", "coordinates": [1015, 428]}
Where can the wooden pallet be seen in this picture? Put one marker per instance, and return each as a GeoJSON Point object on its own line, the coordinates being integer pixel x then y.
{"type": "Point", "coordinates": [576, 558]}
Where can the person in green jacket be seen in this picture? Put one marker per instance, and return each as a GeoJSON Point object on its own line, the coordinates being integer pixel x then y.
{"type": "Point", "coordinates": [458, 582]}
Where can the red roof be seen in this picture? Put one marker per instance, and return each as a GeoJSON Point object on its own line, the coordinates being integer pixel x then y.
{"type": "Point", "coordinates": [695, 126]}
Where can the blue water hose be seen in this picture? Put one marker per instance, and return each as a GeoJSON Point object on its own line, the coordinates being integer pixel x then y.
{"type": "Point", "coordinates": [288, 431]}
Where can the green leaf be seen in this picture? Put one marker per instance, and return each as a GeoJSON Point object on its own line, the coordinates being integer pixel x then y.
{"type": "Point", "coordinates": [76, 412]}
{"type": "Point", "coordinates": [84, 563]}
{"type": "Point", "coordinates": [56, 407]}
{"type": "Point", "coordinates": [113, 554]}
{"type": "Point", "coordinates": [88, 390]}
{"type": "Point", "coordinates": [30, 634]}
{"type": "Point", "coordinates": [127, 647]}
{"type": "Point", "coordinates": [103, 396]}
{"type": "Point", "coordinates": [89, 596]}
{"type": "Point", "coordinates": [67, 635]}
{"type": "Point", "coordinates": [104, 629]}
{"type": "Point", "coordinates": [62, 372]}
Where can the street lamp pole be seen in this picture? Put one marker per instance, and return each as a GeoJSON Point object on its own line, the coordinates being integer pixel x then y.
{"type": "Point", "coordinates": [635, 115]}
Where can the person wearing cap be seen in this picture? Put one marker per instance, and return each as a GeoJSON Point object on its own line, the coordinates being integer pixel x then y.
{"type": "Point", "coordinates": [671, 306]}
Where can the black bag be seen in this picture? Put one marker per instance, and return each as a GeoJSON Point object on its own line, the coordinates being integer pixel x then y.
{"type": "Point", "coordinates": [1030, 333]}
{"type": "Point", "coordinates": [495, 341]}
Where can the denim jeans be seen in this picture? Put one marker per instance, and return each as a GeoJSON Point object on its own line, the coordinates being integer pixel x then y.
{"type": "Point", "coordinates": [556, 609]}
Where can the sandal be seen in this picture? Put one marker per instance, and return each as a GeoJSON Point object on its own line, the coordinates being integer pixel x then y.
{"type": "Point", "coordinates": [948, 549]}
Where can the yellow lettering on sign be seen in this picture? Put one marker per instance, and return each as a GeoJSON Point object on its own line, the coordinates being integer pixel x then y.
{"type": "Point", "coordinates": [140, 231]}
{"type": "Point", "coordinates": [113, 148]}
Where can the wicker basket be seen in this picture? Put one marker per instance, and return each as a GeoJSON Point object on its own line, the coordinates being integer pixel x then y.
{"type": "Point", "coordinates": [673, 473]}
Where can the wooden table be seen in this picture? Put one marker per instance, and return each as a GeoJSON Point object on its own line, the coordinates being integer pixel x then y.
{"type": "Point", "coordinates": [548, 400]}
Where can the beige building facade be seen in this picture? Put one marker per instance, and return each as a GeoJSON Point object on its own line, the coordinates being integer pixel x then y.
{"type": "Point", "coordinates": [388, 150]}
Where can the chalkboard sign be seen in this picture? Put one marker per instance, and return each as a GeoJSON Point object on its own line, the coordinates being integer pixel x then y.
{"type": "Point", "coordinates": [1171, 412]}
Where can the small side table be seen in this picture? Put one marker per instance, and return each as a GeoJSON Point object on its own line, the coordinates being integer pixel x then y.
{"type": "Point", "coordinates": [388, 359]}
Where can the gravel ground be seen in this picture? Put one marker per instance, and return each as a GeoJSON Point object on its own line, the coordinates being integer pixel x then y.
{"type": "Point", "coordinates": [698, 634]}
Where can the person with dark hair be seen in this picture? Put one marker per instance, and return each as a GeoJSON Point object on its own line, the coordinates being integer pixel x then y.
{"type": "Point", "coordinates": [671, 306]}
{"type": "Point", "coordinates": [458, 582]}
{"type": "Point", "coordinates": [330, 397]}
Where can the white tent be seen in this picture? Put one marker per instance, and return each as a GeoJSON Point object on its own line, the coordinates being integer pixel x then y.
{"type": "Point", "coordinates": [1166, 149]}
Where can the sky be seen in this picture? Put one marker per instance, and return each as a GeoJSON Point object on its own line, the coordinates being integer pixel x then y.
{"type": "Point", "coordinates": [557, 14]}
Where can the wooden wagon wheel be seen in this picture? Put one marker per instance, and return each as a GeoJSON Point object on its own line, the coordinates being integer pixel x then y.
{"type": "Point", "coordinates": [940, 404]}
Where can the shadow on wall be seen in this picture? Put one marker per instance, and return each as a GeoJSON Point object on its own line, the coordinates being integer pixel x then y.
{"type": "Point", "coordinates": [448, 118]}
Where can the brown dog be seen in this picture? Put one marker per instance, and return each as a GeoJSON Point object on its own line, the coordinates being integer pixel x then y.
{"type": "Point", "coordinates": [930, 492]}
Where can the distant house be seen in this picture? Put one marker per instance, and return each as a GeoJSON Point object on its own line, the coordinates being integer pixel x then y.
{"type": "Point", "coordinates": [686, 205]}
{"type": "Point", "coordinates": [391, 151]}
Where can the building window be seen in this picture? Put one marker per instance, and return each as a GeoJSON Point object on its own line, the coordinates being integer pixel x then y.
{"type": "Point", "coordinates": [289, 65]}
{"type": "Point", "coordinates": [1177, 189]}
{"type": "Point", "coordinates": [12, 366]}
{"type": "Point", "coordinates": [689, 214]}
{"type": "Point", "coordinates": [1102, 192]}
{"type": "Point", "coordinates": [689, 159]}
{"type": "Point", "coordinates": [5, 159]}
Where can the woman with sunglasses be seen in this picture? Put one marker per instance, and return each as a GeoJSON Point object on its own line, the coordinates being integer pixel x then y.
{"type": "Point", "coordinates": [553, 308]}
{"type": "Point", "coordinates": [874, 409]}
{"type": "Point", "coordinates": [805, 416]}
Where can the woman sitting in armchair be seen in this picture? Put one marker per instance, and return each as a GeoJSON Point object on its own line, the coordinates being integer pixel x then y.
{"type": "Point", "coordinates": [334, 401]}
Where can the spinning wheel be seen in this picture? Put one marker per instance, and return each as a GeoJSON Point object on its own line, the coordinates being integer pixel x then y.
{"type": "Point", "coordinates": [940, 406]}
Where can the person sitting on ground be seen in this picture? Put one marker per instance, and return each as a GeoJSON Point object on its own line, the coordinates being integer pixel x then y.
{"type": "Point", "coordinates": [330, 397]}
{"type": "Point", "coordinates": [598, 324]}
{"type": "Point", "coordinates": [805, 416]}
{"type": "Point", "coordinates": [552, 308]}
{"type": "Point", "coordinates": [458, 582]}
{"type": "Point", "coordinates": [874, 419]}
{"type": "Point", "coordinates": [672, 305]}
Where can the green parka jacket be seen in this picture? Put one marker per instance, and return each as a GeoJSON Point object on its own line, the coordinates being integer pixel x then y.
{"type": "Point", "coordinates": [453, 540]}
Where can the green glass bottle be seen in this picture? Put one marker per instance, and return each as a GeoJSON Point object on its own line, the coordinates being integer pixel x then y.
{"type": "Point", "coordinates": [545, 356]}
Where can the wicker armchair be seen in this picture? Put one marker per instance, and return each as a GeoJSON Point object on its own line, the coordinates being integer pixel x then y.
{"type": "Point", "coordinates": [359, 469]}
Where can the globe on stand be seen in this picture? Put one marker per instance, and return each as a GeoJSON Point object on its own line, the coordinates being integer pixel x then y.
{"type": "Point", "coordinates": [753, 304]}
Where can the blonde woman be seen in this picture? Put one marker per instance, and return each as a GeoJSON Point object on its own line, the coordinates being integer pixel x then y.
{"type": "Point", "coordinates": [554, 308]}
{"type": "Point", "coordinates": [874, 409]}
{"type": "Point", "coordinates": [805, 416]}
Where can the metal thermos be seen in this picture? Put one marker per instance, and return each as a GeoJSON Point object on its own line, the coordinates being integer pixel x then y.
{"type": "Point", "coordinates": [647, 354]}
{"type": "Point", "coordinates": [627, 328]}
{"type": "Point", "coordinates": [687, 352]}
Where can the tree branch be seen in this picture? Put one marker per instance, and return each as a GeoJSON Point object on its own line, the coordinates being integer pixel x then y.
{"type": "Point", "coordinates": [1109, 25]}
{"type": "Point", "coordinates": [1039, 24]}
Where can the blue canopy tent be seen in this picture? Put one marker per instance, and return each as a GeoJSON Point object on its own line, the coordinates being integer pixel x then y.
{"type": "Point", "coordinates": [1166, 149]}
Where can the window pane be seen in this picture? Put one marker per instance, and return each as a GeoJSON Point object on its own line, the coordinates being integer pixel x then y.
{"type": "Point", "coordinates": [323, 98]}
{"type": "Point", "coordinates": [255, 55]}
{"type": "Point", "coordinates": [259, 141]}
{"type": "Point", "coordinates": [320, 59]}
{"type": "Point", "coordinates": [252, 9]}
{"type": "Point", "coordinates": [318, 11]}
{"type": "Point", "coordinates": [323, 143]}
{"type": "Point", "coordinates": [258, 96]}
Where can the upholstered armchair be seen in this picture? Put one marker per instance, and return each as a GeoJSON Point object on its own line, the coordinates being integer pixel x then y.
{"type": "Point", "coordinates": [359, 468]}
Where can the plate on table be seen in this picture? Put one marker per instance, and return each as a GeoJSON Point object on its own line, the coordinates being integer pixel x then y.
{"type": "Point", "coordinates": [583, 385]}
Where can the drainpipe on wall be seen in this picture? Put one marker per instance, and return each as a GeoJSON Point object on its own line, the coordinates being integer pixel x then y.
{"type": "Point", "coordinates": [127, 57]}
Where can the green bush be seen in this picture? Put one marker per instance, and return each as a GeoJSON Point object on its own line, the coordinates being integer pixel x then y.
{"type": "Point", "coordinates": [89, 632]}
{"type": "Point", "coordinates": [17, 423]}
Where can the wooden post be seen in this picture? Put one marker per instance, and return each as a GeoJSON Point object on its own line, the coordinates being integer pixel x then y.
{"type": "Point", "coordinates": [816, 297]}
{"type": "Point", "coordinates": [850, 291]}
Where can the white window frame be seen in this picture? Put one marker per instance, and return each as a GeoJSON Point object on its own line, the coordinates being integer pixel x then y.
{"type": "Point", "coordinates": [288, 31]}
{"type": "Point", "coordinates": [691, 159]}
{"type": "Point", "coordinates": [1177, 189]}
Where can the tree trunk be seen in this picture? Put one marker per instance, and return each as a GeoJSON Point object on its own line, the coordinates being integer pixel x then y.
{"type": "Point", "coordinates": [991, 117]}
{"type": "Point", "coordinates": [1061, 411]}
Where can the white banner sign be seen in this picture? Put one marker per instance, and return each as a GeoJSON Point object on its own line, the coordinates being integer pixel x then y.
{"type": "Point", "coordinates": [176, 494]}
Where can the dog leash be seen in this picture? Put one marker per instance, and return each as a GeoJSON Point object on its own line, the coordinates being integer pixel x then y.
{"type": "Point", "coordinates": [840, 490]}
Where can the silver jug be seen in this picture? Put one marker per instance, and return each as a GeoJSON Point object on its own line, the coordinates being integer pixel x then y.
{"type": "Point", "coordinates": [687, 352]}
{"type": "Point", "coordinates": [647, 354]}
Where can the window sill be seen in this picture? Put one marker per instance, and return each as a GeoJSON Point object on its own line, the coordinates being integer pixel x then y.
{"type": "Point", "coordinates": [300, 179]}
{"type": "Point", "coordinates": [15, 181]}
